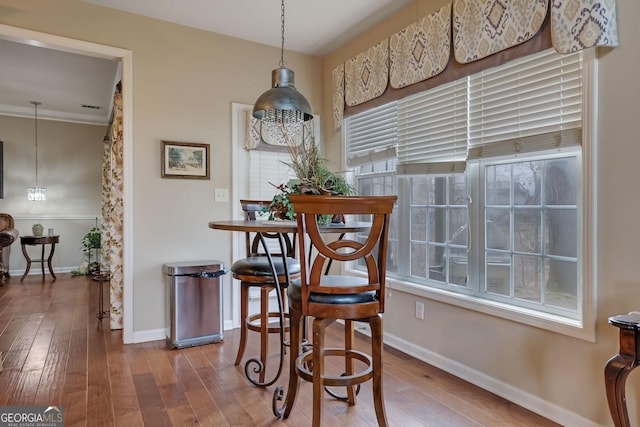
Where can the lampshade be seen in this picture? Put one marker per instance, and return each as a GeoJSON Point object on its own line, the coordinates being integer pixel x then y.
{"type": "Point", "coordinates": [282, 103]}
{"type": "Point", "coordinates": [36, 193]}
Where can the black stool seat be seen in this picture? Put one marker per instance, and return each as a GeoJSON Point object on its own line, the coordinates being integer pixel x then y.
{"type": "Point", "coordinates": [294, 292]}
{"type": "Point", "coordinates": [259, 266]}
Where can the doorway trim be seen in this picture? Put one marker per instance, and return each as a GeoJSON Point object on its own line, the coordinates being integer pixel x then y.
{"type": "Point", "coordinates": [49, 41]}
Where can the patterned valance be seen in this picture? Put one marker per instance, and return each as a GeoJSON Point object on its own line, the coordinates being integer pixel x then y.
{"type": "Point", "coordinates": [580, 24]}
{"type": "Point", "coordinates": [421, 50]}
{"type": "Point", "coordinates": [485, 33]}
{"type": "Point", "coordinates": [366, 75]}
{"type": "Point", "coordinates": [484, 27]}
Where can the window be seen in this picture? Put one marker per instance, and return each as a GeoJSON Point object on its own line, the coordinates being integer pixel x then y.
{"type": "Point", "coordinates": [494, 190]}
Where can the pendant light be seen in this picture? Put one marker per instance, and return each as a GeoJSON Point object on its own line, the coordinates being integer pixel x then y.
{"type": "Point", "coordinates": [36, 193]}
{"type": "Point", "coordinates": [282, 104]}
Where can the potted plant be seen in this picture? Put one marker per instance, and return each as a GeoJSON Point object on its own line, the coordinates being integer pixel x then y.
{"type": "Point", "coordinates": [92, 241]}
{"type": "Point", "coordinates": [313, 176]}
{"type": "Point", "coordinates": [37, 229]}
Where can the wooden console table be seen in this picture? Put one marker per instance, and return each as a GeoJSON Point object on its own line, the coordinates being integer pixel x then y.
{"type": "Point", "coordinates": [620, 366]}
{"type": "Point", "coordinates": [43, 241]}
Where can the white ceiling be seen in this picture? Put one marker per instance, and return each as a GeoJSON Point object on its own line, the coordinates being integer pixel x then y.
{"type": "Point", "coordinates": [314, 27]}
{"type": "Point", "coordinates": [63, 82]}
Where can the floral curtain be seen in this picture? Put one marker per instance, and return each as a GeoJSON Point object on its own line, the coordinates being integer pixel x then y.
{"type": "Point", "coordinates": [112, 211]}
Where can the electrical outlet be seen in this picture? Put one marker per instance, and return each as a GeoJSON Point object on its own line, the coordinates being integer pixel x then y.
{"type": "Point", "coordinates": [419, 310]}
{"type": "Point", "coordinates": [221, 195]}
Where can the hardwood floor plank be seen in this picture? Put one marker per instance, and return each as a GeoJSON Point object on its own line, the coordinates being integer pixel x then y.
{"type": "Point", "coordinates": [76, 367]}
{"type": "Point", "coordinates": [151, 404]}
{"type": "Point", "coordinates": [55, 355]}
{"type": "Point", "coordinates": [25, 389]}
{"type": "Point", "coordinates": [21, 344]}
{"type": "Point", "coordinates": [50, 388]}
{"type": "Point", "coordinates": [75, 408]}
{"type": "Point", "coordinates": [207, 413]}
{"type": "Point", "coordinates": [129, 419]}
{"type": "Point", "coordinates": [123, 393]}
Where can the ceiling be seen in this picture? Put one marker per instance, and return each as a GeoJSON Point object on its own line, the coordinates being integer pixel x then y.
{"type": "Point", "coordinates": [313, 27]}
{"type": "Point", "coordinates": [79, 88]}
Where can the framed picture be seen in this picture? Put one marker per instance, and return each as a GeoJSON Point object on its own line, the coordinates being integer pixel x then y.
{"type": "Point", "coordinates": [185, 160]}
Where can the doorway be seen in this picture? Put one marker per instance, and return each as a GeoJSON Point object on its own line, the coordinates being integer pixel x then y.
{"type": "Point", "coordinates": [123, 56]}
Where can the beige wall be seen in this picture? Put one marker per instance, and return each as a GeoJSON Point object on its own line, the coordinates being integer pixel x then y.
{"type": "Point", "coordinates": [184, 81]}
{"type": "Point", "coordinates": [69, 167]}
{"type": "Point", "coordinates": [565, 372]}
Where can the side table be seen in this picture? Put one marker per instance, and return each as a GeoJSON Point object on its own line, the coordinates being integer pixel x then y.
{"type": "Point", "coordinates": [43, 241]}
{"type": "Point", "coordinates": [620, 366]}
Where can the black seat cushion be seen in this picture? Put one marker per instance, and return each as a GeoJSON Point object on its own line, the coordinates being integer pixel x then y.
{"type": "Point", "coordinates": [259, 266]}
{"type": "Point", "coordinates": [294, 292]}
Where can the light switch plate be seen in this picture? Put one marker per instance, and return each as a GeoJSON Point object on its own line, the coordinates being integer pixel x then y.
{"type": "Point", "coordinates": [221, 195]}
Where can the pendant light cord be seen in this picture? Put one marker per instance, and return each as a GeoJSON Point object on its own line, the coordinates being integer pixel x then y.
{"type": "Point", "coordinates": [282, 39]}
{"type": "Point", "coordinates": [36, 126]}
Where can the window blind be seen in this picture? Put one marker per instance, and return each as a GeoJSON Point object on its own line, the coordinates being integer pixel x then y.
{"type": "Point", "coordinates": [266, 168]}
{"type": "Point", "coordinates": [528, 104]}
{"type": "Point", "coordinates": [432, 130]}
{"type": "Point", "coordinates": [372, 135]}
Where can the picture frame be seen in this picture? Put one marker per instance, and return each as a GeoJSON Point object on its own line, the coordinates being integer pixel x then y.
{"type": "Point", "coordinates": [185, 160]}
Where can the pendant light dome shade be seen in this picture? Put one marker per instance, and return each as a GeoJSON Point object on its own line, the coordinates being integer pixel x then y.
{"type": "Point", "coordinates": [282, 103]}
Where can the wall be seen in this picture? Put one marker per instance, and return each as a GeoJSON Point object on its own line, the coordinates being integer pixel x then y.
{"type": "Point", "coordinates": [69, 167]}
{"type": "Point", "coordinates": [557, 376]}
{"type": "Point", "coordinates": [184, 81]}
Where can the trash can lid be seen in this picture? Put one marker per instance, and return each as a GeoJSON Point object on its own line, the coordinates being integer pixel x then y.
{"type": "Point", "coordinates": [192, 267]}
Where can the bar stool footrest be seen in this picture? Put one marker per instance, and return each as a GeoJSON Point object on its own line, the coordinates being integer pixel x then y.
{"type": "Point", "coordinates": [253, 323]}
{"type": "Point", "coordinates": [304, 367]}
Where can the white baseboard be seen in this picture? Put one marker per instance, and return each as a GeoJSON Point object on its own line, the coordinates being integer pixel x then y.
{"type": "Point", "coordinates": [149, 335]}
{"type": "Point", "coordinates": [520, 397]}
{"type": "Point", "coordinates": [161, 334]}
{"type": "Point", "coordinates": [36, 269]}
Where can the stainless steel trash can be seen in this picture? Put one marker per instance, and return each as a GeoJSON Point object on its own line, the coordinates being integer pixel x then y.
{"type": "Point", "coordinates": [194, 295]}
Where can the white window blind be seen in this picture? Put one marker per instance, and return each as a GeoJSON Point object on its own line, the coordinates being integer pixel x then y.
{"type": "Point", "coordinates": [529, 104]}
{"type": "Point", "coordinates": [266, 168]}
{"type": "Point", "coordinates": [372, 135]}
{"type": "Point", "coordinates": [432, 130]}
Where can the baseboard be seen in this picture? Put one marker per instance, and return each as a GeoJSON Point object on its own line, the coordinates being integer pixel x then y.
{"type": "Point", "coordinates": [149, 335]}
{"type": "Point", "coordinates": [161, 334]}
{"type": "Point", "coordinates": [37, 270]}
{"type": "Point", "coordinates": [520, 397]}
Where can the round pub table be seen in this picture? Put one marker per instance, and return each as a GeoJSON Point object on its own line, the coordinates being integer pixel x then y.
{"type": "Point", "coordinates": [42, 241]}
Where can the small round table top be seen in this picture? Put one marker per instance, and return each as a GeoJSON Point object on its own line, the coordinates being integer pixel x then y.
{"type": "Point", "coordinates": [39, 240]}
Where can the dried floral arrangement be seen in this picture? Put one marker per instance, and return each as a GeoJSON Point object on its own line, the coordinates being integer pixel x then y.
{"type": "Point", "coordinates": [313, 176]}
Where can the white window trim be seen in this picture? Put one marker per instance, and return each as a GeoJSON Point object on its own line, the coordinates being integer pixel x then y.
{"type": "Point", "coordinates": [585, 329]}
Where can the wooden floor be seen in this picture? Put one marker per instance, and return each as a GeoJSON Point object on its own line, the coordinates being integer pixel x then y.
{"type": "Point", "coordinates": [54, 355]}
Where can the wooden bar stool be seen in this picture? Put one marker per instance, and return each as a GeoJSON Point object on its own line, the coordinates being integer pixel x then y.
{"type": "Point", "coordinates": [254, 271]}
{"type": "Point", "coordinates": [330, 297]}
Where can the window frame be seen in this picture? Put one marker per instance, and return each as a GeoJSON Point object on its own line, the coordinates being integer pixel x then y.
{"type": "Point", "coordinates": [585, 326]}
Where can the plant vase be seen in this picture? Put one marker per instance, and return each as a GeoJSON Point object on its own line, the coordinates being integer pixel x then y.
{"type": "Point", "coordinates": [37, 230]}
